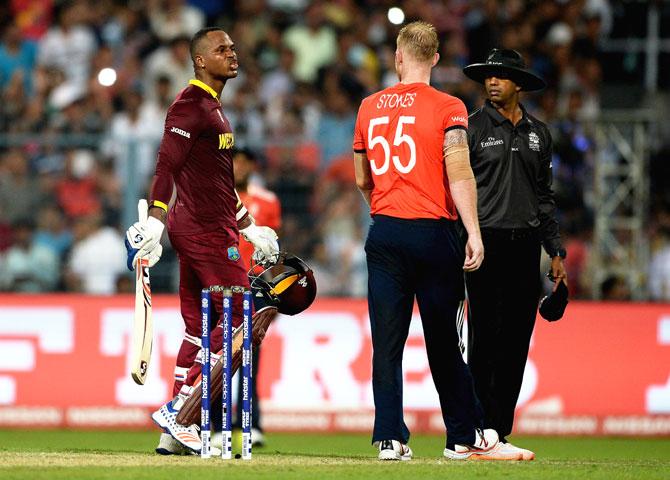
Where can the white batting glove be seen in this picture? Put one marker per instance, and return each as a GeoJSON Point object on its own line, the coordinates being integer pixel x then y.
{"type": "Point", "coordinates": [264, 240]}
{"type": "Point", "coordinates": [154, 255]}
{"type": "Point", "coordinates": [143, 240]}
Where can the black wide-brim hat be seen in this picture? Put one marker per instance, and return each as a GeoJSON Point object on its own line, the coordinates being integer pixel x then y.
{"type": "Point", "coordinates": [506, 64]}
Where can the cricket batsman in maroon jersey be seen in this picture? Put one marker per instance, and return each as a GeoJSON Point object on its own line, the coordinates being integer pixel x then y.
{"type": "Point", "coordinates": [195, 158]}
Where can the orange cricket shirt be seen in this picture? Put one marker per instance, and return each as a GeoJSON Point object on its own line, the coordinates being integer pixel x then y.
{"type": "Point", "coordinates": [401, 129]}
{"type": "Point", "coordinates": [264, 206]}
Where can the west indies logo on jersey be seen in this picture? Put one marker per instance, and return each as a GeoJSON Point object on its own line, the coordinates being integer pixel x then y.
{"type": "Point", "coordinates": [226, 141]}
{"type": "Point", "coordinates": [233, 254]}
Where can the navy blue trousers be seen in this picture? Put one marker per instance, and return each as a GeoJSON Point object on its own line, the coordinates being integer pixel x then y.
{"type": "Point", "coordinates": [422, 259]}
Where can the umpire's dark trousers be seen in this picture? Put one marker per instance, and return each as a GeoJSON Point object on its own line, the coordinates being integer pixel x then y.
{"type": "Point", "coordinates": [422, 258]}
{"type": "Point", "coordinates": [503, 296]}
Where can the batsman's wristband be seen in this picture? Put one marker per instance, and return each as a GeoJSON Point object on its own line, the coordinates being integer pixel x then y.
{"type": "Point", "coordinates": [159, 204]}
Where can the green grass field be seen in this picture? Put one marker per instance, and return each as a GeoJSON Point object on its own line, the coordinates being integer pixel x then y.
{"type": "Point", "coordinates": [117, 455]}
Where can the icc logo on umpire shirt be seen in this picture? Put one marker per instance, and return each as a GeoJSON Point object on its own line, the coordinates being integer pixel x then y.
{"type": "Point", "coordinates": [533, 142]}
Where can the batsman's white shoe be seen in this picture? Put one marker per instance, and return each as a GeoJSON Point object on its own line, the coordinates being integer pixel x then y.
{"type": "Point", "coordinates": [216, 438]}
{"type": "Point", "coordinates": [257, 438]}
{"type": "Point", "coordinates": [216, 442]}
{"type": "Point", "coordinates": [394, 450]}
{"type": "Point", "coordinates": [169, 446]}
{"type": "Point", "coordinates": [526, 455]}
{"type": "Point", "coordinates": [166, 417]}
{"type": "Point", "coordinates": [484, 447]}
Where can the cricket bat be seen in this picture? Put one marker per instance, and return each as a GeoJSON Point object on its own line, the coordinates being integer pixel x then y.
{"type": "Point", "coordinates": [143, 328]}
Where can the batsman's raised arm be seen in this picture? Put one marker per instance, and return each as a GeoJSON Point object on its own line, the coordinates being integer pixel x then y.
{"type": "Point", "coordinates": [464, 193]}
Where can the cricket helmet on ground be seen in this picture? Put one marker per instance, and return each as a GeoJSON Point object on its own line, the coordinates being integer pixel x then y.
{"type": "Point", "coordinates": [288, 283]}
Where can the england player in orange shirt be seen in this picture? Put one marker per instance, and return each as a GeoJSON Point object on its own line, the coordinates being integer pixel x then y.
{"type": "Point", "coordinates": [412, 167]}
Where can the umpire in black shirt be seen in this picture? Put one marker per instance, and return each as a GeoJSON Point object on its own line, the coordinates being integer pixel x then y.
{"type": "Point", "coordinates": [510, 153]}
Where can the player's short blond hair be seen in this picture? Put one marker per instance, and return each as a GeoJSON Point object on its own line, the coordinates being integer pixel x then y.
{"type": "Point", "coordinates": [418, 39]}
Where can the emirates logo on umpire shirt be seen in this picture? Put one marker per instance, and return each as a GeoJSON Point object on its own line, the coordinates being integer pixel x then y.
{"type": "Point", "coordinates": [492, 142]}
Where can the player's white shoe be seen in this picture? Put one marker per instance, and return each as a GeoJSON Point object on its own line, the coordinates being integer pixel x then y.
{"type": "Point", "coordinates": [394, 450]}
{"type": "Point", "coordinates": [484, 447]}
{"type": "Point", "coordinates": [257, 438]}
{"type": "Point", "coordinates": [167, 445]}
{"type": "Point", "coordinates": [526, 454]}
{"type": "Point", "coordinates": [166, 417]}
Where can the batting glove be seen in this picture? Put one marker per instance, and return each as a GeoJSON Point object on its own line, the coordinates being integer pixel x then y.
{"type": "Point", "coordinates": [143, 240]}
{"type": "Point", "coordinates": [264, 240]}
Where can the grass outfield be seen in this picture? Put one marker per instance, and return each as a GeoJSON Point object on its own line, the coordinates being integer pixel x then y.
{"type": "Point", "coordinates": [113, 455]}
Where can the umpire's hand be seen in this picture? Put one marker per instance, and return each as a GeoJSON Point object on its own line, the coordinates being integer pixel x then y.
{"type": "Point", "coordinates": [558, 272]}
{"type": "Point", "coordinates": [474, 253]}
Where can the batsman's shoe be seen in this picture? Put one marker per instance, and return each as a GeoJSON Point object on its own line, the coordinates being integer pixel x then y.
{"type": "Point", "coordinates": [394, 450]}
{"type": "Point", "coordinates": [169, 446]}
{"type": "Point", "coordinates": [526, 454]}
{"type": "Point", "coordinates": [166, 417]}
{"type": "Point", "coordinates": [484, 446]}
{"type": "Point", "coordinates": [216, 442]}
{"type": "Point", "coordinates": [257, 438]}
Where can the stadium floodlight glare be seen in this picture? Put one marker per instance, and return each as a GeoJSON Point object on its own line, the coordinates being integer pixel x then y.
{"type": "Point", "coordinates": [396, 16]}
{"type": "Point", "coordinates": [107, 77]}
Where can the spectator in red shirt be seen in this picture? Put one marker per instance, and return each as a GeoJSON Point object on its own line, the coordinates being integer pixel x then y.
{"type": "Point", "coordinates": [76, 192]}
{"type": "Point", "coordinates": [264, 206]}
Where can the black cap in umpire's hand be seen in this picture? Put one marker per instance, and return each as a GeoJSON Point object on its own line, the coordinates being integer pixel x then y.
{"type": "Point", "coordinates": [553, 305]}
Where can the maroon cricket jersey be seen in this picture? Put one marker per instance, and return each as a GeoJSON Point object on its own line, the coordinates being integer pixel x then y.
{"type": "Point", "coordinates": [196, 154]}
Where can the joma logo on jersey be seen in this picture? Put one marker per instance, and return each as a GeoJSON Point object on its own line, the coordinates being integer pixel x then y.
{"type": "Point", "coordinates": [181, 132]}
{"type": "Point", "coordinates": [226, 141]}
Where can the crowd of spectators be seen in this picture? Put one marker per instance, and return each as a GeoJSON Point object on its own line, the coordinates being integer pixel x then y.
{"type": "Point", "coordinates": [70, 142]}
